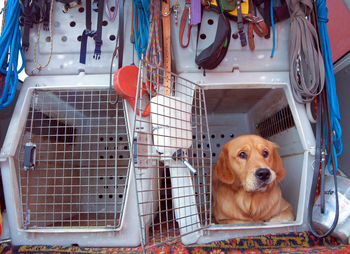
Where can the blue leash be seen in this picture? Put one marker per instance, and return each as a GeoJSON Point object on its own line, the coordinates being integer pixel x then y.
{"type": "Point", "coordinates": [273, 28]}
{"type": "Point", "coordinates": [333, 102]}
{"type": "Point", "coordinates": [10, 44]}
{"type": "Point", "coordinates": [141, 25]}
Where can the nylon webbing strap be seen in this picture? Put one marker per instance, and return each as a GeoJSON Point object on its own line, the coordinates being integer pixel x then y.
{"type": "Point", "coordinates": [121, 33]}
{"type": "Point", "coordinates": [98, 39]}
{"type": "Point", "coordinates": [166, 45]}
{"type": "Point", "coordinates": [86, 33]}
{"type": "Point", "coordinates": [240, 25]}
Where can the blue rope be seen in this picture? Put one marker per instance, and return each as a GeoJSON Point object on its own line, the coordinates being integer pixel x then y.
{"type": "Point", "coordinates": [141, 26]}
{"type": "Point", "coordinates": [333, 102]}
{"type": "Point", "coordinates": [10, 45]}
{"type": "Point", "coordinates": [273, 28]}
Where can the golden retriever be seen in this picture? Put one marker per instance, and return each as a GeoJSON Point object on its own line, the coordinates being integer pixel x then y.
{"type": "Point", "coordinates": [245, 183]}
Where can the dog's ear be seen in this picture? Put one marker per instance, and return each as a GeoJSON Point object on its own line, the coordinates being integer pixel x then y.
{"type": "Point", "coordinates": [223, 169]}
{"type": "Point", "coordinates": [278, 166]}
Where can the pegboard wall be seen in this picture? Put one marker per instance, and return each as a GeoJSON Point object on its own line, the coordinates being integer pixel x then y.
{"type": "Point", "coordinates": [67, 29]}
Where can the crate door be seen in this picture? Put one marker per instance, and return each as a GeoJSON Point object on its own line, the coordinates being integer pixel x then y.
{"type": "Point", "coordinates": [73, 160]}
{"type": "Point", "coordinates": [172, 158]}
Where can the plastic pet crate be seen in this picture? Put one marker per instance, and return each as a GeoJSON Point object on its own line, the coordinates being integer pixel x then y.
{"type": "Point", "coordinates": [269, 110]}
{"type": "Point", "coordinates": [65, 160]}
{"type": "Point", "coordinates": [67, 176]}
{"type": "Point", "coordinates": [249, 92]}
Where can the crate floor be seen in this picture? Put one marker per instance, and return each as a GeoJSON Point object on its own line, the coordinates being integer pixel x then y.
{"type": "Point", "coordinates": [303, 242]}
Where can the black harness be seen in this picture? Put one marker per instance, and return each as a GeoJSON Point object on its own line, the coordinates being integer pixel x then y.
{"type": "Point", "coordinates": [33, 12]}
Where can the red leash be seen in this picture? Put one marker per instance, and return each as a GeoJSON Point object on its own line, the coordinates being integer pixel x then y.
{"type": "Point", "coordinates": [186, 13]}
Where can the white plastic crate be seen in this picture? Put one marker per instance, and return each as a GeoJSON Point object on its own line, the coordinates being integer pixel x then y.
{"type": "Point", "coordinates": [237, 105]}
{"type": "Point", "coordinates": [249, 92]}
{"type": "Point", "coordinates": [245, 91]}
{"type": "Point", "coordinates": [81, 186]}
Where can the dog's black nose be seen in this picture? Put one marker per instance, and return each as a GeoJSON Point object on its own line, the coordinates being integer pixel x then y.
{"type": "Point", "coordinates": [263, 174]}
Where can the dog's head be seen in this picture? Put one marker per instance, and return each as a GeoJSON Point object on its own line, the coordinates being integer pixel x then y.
{"type": "Point", "coordinates": [251, 162]}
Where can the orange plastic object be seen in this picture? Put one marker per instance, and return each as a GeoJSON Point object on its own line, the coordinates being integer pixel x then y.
{"type": "Point", "coordinates": [125, 84]}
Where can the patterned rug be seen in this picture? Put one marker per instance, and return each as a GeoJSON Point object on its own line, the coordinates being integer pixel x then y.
{"type": "Point", "coordinates": [277, 243]}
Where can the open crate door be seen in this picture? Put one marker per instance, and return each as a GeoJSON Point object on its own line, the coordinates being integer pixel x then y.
{"type": "Point", "coordinates": [172, 157]}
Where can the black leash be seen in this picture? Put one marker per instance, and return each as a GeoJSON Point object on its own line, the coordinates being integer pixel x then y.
{"type": "Point", "coordinates": [320, 161]}
{"type": "Point", "coordinates": [98, 38]}
{"type": "Point", "coordinates": [121, 33]}
{"type": "Point", "coordinates": [88, 32]}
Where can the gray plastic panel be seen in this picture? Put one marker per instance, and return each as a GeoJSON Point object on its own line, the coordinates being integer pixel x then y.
{"type": "Point", "coordinates": [68, 27]}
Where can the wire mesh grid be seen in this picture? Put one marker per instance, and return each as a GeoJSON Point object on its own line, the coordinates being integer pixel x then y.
{"type": "Point", "coordinates": [172, 157]}
{"type": "Point", "coordinates": [278, 122]}
{"type": "Point", "coordinates": [79, 173]}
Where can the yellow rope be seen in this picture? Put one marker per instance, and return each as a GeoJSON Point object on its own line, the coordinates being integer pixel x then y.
{"type": "Point", "coordinates": [39, 67]}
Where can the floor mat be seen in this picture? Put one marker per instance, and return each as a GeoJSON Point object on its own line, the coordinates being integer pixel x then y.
{"type": "Point", "coordinates": [304, 242]}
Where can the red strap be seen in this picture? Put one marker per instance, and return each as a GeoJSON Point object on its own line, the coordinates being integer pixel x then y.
{"type": "Point", "coordinates": [186, 13]}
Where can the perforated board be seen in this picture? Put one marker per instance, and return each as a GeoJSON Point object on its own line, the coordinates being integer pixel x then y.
{"type": "Point", "coordinates": [68, 28]}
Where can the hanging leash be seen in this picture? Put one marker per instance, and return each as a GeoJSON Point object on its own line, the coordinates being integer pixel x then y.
{"type": "Point", "coordinates": [11, 49]}
{"type": "Point", "coordinates": [154, 53]}
{"type": "Point", "coordinates": [111, 17]}
{"type": "Point", "coordinates": [325, 131]}
{"type": "Point", "coordinates": [186, 15]}
{"type": "Point", "coordinates": [307, 74]}
{"type": "Point", "coordinates": [39, 67]}
{"type": "Point", "coordinates": [88, 32]}
{"type": "Point", "coordinates": [98, 38]}
{"type": "Point", "coordinates": [141, 26]}
{"type": "Point", "coordinates": [335, 117]}
{"type": "Point", "coordinates": [240, 25]}
{"type": "Point", "coordinates": [255, 24]}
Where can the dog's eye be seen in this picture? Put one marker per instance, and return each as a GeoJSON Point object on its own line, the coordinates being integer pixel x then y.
{"type": "Point", "coordinates": [265, 154]}
{"type": "Point", "coordinates": [243, 155]}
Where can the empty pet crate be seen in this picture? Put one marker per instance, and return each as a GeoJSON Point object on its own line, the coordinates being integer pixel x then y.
{"type": "Point", "coordinates": [66, 165]}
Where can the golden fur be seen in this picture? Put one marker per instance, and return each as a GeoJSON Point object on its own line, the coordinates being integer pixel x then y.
{"type": "Point", "coordinates": [245, 183]}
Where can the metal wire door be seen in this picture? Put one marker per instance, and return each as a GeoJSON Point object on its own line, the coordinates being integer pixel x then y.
{"type": "Point", "coordinates": [172, 157]}
{"type": "Point", "coordinates": [73, 160]}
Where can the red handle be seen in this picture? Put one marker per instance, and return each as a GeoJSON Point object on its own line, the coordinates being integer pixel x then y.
{"type": "Point", "coordinates": [125, 84]}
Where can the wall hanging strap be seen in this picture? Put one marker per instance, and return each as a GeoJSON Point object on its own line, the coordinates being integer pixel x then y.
{"type": "Point", "coordinates": [98, 39]}
{"type": "Point", "coordinates": [306, 74]}
{"type": "Point", "coordinates": [121, 33]}
{"type": "Point", "coordinates": [196, 12]}
{"type": "Point", "coordinates": [86, 33]}
{"type": "Point", "coordinates": [154, 55]}
{"type": "Point", "coordinates": [240, 25]}
{"type": "Point", "coordinates": [110, 16]}
{"type": "Point", "coordinates": [325, 132]}
{"type": "Point", "coordinates": [186, 15]}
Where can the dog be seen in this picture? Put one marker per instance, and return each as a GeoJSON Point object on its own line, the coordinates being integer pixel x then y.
{"type": "Point", "coordinates": [245, 183]}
